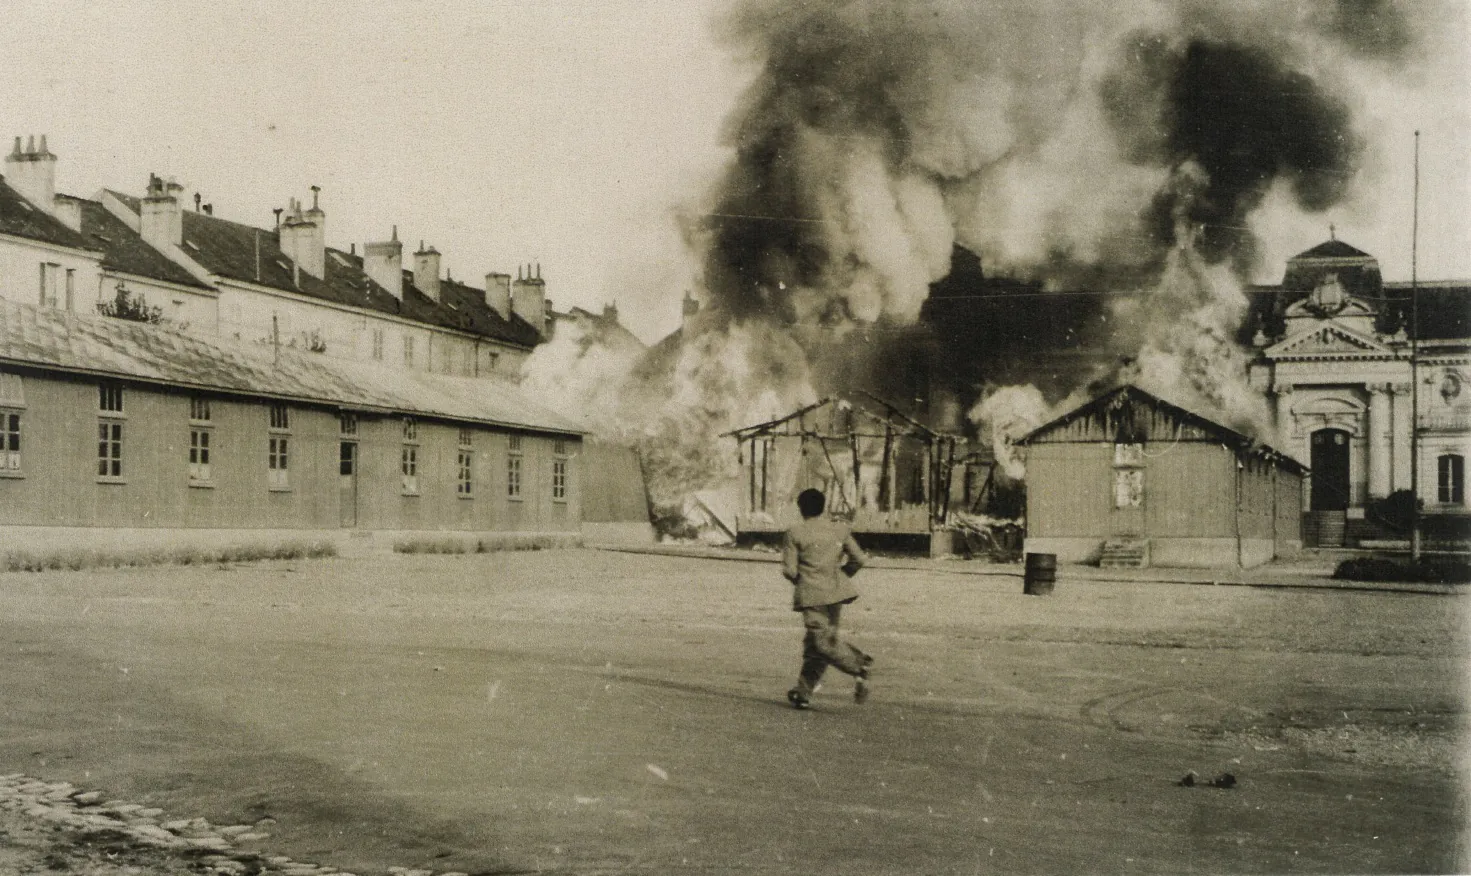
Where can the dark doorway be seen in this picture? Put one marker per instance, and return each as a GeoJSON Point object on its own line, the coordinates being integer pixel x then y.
{"type": "Point", "coordinates": [347, 483]}
{"type": "Point", "coordinates": [1330, 470]}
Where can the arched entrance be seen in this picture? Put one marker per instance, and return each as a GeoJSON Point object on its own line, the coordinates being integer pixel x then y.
{"type": "Point", "coordinates": [1330, 491]}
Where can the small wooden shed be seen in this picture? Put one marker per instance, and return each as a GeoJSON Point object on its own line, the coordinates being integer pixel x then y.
{"type": "Point", "coordinates": [886, 472]}
{"type": "Point", "coordinates": [1129, 479]}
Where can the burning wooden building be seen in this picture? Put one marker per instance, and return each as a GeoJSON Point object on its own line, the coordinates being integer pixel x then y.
{"type": "Point", "coordinates": [887, 473]}
{"type": "Point", "coordinates": [1130, 479]}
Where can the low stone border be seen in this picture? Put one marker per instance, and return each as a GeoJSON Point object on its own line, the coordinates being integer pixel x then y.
{"type": "Point", "coordinates": [212, 848]}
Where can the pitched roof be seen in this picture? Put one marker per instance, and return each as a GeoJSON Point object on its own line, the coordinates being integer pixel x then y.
{"type": "Point", "coordinates": [838, 416]}
{"type": "Point", "coordinates": [1333, 249]}
{"type": "Point", "coordinates": [1117, 405]}
{"type": "Point", "coordinates": [1444, 305]}
{"type": "Point", "coordinates": [20, 218]}
{"type": "Point", "coordinates": [124, 251]}
{"type": "Point", "coordinates": [51, 339]}
{"type": "Point", "coordinates": [253, 255]}
{"type": "Point", "coordinates": [1444, 308]}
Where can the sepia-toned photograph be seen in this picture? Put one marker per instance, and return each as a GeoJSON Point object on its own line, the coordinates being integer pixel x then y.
{"type": "Point", "coordinates": [812, 437]}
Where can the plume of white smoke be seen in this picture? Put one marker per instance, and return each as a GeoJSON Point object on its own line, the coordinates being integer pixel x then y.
{"type": "Point", "coordinates": [1006, 415]}
{"type": "Point", "coordinates": [1190, 354]}
{"type": "Point", "coordinates": [1114, 148]}
{"type": "Point", "coordinates": [583, 371]}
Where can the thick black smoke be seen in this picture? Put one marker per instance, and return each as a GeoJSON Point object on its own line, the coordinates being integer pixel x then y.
{"type": "Point", "coordinates": [1240, 117]}
{"type": "Point", "coordinates": [1374, 29]}
{"type": "Point", "coordinates": [1114, 152]}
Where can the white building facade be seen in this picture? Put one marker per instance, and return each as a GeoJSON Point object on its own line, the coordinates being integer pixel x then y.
{"type": "Point", "coordinates": [1356, 375]}
{"type": "Point", "coordinates": [282, 286]}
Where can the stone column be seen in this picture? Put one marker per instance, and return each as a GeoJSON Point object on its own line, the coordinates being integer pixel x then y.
{"type": "Point", "coordinates": [1284, 414]}
{"type": "Point", "coordinates": [1400, 445]}
{"type": "Point", "coordinates": [1379, 436]}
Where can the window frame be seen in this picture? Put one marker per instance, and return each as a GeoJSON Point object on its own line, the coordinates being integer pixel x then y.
{"type": "Point", "coordinates": [108, 395]}
{"type": "Point", "coordinates": [12, 428]}
{"type": "Point", "coordinates": [515, 469]}
{"type": "Point", "coordinates": [111, 436]}
{"type": "Point", "coordinates": [200, 442]}
{"type": "Point", "coordinates": [278, 447]}
{"type": "Point", "coordinates": [561, 471]}
{"type": "Point", "coordinates": [409, 458]}
{"type": "Point", "coordinates": [1450, 479]}
{"type": "Point", "coordinates": [110, 444]}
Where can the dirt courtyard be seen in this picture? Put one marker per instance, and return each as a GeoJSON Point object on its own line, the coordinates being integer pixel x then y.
{"type": "Point", "coordinates": [598, 712]}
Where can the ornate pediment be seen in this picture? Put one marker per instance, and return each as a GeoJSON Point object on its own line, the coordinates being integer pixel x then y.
{"type": "Point", "coordinates": [1323, 304]}
{"type": "Point", "coordinates": [1327, 341]}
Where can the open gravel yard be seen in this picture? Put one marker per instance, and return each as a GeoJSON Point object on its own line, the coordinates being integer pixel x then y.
{"type": "Point", "coordinates": [597, 712]}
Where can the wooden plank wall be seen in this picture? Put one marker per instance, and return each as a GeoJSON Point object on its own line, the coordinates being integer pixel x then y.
{"type": "Point", "coordinates": [59, 485]}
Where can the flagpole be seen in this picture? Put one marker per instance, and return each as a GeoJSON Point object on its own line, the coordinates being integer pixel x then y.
{"type": "Point", "coordinates": [1415, 545]}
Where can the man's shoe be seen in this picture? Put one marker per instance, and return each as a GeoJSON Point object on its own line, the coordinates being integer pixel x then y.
{"type": "Point", "coordinates": [861, 687]}
{"type": "Point", "coordinates": [798, 701]}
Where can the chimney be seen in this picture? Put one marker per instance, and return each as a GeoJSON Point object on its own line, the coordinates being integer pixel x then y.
{"type": "Point", "coordinates": [426, 271]}
{"type": "Point", "coordinates": [384, 264]}
{"type": "Point", "coordinates": [529, 299]}
{"type": "Point", "coordinates": [498, 294]}
{"type": "Point", "coordinates": [304, 236]}
{"type": "Point", "coordinates": [691, 307]}
{"type": "Point", "coordinates": [32, 172]}
{"type": "Point", "coordinates": [610, 311]}
{"type": "Point", "coordinates": [161, 220]}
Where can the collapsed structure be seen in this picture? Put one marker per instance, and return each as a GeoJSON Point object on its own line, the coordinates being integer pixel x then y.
{"type": "Point", "coordinates": [891, 476]}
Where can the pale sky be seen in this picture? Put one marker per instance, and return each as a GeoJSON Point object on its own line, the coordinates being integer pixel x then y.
{"type": "Point", "coordinates": [559, 132]}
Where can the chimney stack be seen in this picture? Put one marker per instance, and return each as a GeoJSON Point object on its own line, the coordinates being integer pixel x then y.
{"type": "Point", "coordinates": [610, 311]}
{"type": "Point", "coordinates": [161, 219]}
{"type": "Point", "coordinates": [304, 236]}
{"type": "Point", "coordinates": [32, 172]}
{"type": "Point", "coordinates": [498, 293]}
{"type": "Point", "coordinates": [426, 271]}
{"type": "Point", "coordinates": [384, 264]}
{"type": "Point", "coordinates": [529, 299]}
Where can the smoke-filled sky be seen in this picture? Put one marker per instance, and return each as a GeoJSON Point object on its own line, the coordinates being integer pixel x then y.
{"type": "Point", "coordinates": [573, 133]}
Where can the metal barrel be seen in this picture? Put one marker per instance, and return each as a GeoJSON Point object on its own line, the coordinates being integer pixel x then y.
{"type": "Point", "coordinates": [1041, 574]}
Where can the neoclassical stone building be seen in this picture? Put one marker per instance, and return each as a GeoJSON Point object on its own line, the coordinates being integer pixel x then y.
{"type": "Point", "coordinates": [1348, 365]}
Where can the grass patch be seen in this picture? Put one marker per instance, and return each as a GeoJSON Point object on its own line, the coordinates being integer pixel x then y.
{"type": "Point", "coordinates": [1435, 570]}
{"type": "Point", "coordinates": [77, 559]}
{"type": "Point", "coordinates": [451, 545]}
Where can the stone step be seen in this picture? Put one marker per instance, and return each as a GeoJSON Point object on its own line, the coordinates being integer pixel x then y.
{"type": "Point", "coordinates": [1124, 553]}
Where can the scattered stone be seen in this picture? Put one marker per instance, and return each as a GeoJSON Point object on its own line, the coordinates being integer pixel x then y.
{"type": "Point", "coordinates": [1188, 781]}
{"type": "Point", "coordinates": [254, 836]}
{"type": "Point", "coordinates": [88, 797]}
{"type": "Point", "coordinates": [151, 812]}
{"type": "Point", "coordinates": [232, 830]}
{"type": "Point", "coordinates": [1224, 780]}
{"type": "Point", "coordinates": [176, 825]}
{"type": "Point", "coordinates": [278, 860]}
{"type": "Point", "coordinates": [265, 822]}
